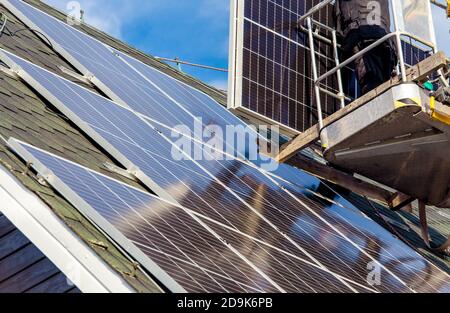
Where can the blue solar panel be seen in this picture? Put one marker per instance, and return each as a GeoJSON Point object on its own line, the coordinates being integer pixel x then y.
{"type": "Point", "coordinates": [233, 194]}
{"type": "Point", "coordinates": [146, 90]}
{"type": "Point", "coordinates": [196, 259]}
{"type": "Point", "coordinates": [196, 102]}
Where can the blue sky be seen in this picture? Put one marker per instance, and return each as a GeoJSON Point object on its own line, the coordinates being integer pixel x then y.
{"type": "Point", "coordinates": [194, 30]}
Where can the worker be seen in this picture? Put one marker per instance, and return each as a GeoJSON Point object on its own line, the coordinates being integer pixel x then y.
{"type": "Point", "coordinates": [359, 24]}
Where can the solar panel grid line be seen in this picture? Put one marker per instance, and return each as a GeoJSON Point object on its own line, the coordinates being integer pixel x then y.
{"type": "Point", "coordinates": [238, 253]}
{"type": "Point", "coordinates": [256, 59]}
{"type": "Point", "coordinates": [187, 97]}
{"type": "Point", "coordinates": [386, 254]}
{"type": "Point", "coordinates": [269, 222]}
{"type": "Point", "coordinates": [52, 178]}
{"type": "Point", "coordinates": [297, 239]}
{"type": "Point", "coordinates": [131, 221]}
{"type": "Point", "coordinates": [388, 257]}
{"type": "Point", "coordinates": [11, 5]}
{"type": "Point", "coordinates": [165, 93]}
{"type": "Point", "coordinates": [85, 209]}
{"type": "Point", "coordinates": [246, 222]}
{"type": "Point", "coordinates": [248, 287]}
{"type": "Point", "coordinates": [86, 127]}
{"type": "Point", "coordinates": [271, 246]}
{"type": "Point", "coordinates": [414, 252]}
{"type": "Point", "coordinates": [354, 244]}
{"type": "Point", "coordinates": [173, 230]}
{"type": "Point", "coordinates": [132, 168]}
{"type": "Point", "coordinates": [230, 285]}
{"type": "Point", "coordinates": [102, 53]}
{"type": "Point", "coordinates": [202, 178]}
{"type": "Point", "coordinates": [318, 53]}
{"type": "Point", "coordinates": [315, 279]}
{"type": "Point", "coordinates": [191, 90]}
{"type": "Point", "coordinates": [280, 110]}
{"type": "Point", "coordinates": [68, 55]}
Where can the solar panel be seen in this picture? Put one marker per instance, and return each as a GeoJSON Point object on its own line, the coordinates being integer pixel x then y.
{"type": "Point", "coordinates": [270, 66]}
{"type": "Point", "coordinates": [194, 257]}
{"type": "Point", "coordinates": [233, 194]}
{"type": "Point", "coordinates": [146, 90]}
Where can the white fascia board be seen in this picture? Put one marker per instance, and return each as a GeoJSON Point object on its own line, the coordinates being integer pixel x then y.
{"type": "Point", "coordinates": [56, 240]}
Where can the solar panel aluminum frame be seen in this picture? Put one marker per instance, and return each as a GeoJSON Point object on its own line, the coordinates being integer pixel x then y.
{"type": "Point", "coordinates": [65, 54]}
{"type": "Point", "coordinates": [92, 215]}
{"type": "Point", "coordinates": [235, 71]}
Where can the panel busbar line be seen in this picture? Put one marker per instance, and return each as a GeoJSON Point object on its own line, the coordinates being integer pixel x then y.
{"type": "Point", "coordinates": [193, 257]}
{"type": "Point", "coordinates": [415, 270]}
{"type": "Point", "coordinates": [221, 204]}
{"type": "Point", "coordinates": [318, 217]}
{"type": "Point", "coordinates": [270, 66]}
{"type": "Point", "coordinates": [231, 210]}
{"type": "Point", "coordinates": [119, 76]}
{"type": "Point", "coordinates": [143, 218]}
{"type": "Point", "coordinates": [168, 173]}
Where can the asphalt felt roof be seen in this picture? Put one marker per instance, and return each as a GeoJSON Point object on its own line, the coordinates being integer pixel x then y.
{"type": "Point", "coordinates": [26, 116]}
{"type": "Point", "coordinates": [24, 269]}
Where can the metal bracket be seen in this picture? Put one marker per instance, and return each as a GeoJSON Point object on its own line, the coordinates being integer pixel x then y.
{"type": "Point", "coordinates": [75, 75]}
{"type": "Point", "coordinates": [115, 169]}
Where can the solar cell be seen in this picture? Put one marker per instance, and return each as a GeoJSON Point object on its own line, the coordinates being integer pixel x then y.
{"type": "Point", "coordinates": [230, 192]}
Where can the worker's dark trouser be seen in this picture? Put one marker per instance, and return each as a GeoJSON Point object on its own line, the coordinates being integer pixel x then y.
{"type": "Point", "coordinates": [376, 66]}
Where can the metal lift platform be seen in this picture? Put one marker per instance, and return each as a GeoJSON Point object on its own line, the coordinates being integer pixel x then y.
{"type": "Point", "coordinates": [401, 139]}
{"type": "Point", "coordinates": [396, 135]}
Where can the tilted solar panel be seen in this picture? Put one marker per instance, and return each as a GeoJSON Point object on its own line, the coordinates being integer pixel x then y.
{"type": "Point", "coordinates": [232, 194]}
{"type": "Point", "coordinates": [126, 80]}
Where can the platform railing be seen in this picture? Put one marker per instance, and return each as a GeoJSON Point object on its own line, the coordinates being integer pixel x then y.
{"type": "Point", "coordinates": [397, 34]}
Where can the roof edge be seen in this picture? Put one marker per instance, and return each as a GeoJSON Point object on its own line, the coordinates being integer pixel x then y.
{"type": "Point", "coordinates": [56, 241]}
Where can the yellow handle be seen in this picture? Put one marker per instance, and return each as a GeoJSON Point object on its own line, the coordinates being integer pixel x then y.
{"type": "Point", "coordinates": [448, 8]}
